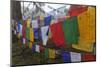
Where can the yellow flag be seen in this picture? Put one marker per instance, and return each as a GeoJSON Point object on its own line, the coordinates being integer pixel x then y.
{"type": "Point", "coordinates": [28, 22]}
{"type": "Point", "coordinates": [31, 36]}
{"type": "Point", "coordinates": [86, 23]}
{"type": "Point", "coordinates": [51, 53]}
{"type": "Point", "coordinates": [83, 46]}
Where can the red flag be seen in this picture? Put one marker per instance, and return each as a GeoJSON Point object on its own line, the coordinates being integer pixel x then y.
{"type": "Point", "coordinates": [57, 34]}
{"type": "Point", "coordinates": [75, 10]}
{"type": "Point", "coordinates": [88, 57]}
{"type": "Point", "coordinates": [24, 29]}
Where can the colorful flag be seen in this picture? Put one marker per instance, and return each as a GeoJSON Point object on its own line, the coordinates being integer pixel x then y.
{"type": "Point", "coordinates": [33, 47]}
{"type": "Point", "coordinates": [37, 48]}
{"type": "Point", "coordinates": [87, 30]}
{"type": "Point", "coordinates": [88, 57]}
{"type": "Point", "coordinates": [51, 53]}
{"type": "Point", "coordinates": [36, 33]}
{"type": "Point", "coordinates": [31, 36]}
{"type": "Point", "coordinates": [75, 57]}
{"type": "Point", "coordinates": [70, 28]}
{"type": "Point", "coordinates": [18, 26]}
{"type": "Point", "coordinates": [28, 33]}
{"type": "Point", "coordinates": [75, 10]}
{"type": "Point", "coordinates": [74, 30]}
{"type": "Point", "coordinates": [24, 30]}
{"type": "Point", "coordinates": [46, 53]}
{"type": "Point", "coordinates": [44, 31]}
{"type": "Point", "coordinates": [57, 34]}
{"type": "Point", "coordinates": [34, 24]}
{"type": "Point", "coordinates": [47, 20]}
{"type": "Point", "coordinates": [83, 46]}
{"type": "Point", "coordinates": [66, 25]}
{"type": "Point", "coordinates": [20, 31]}
{"type": "Point", "coordinates": [65, 56]}
{"type": "Point", "coordinates": [87, 25]}
{"type": "Point", "coordinates": [28, 22]}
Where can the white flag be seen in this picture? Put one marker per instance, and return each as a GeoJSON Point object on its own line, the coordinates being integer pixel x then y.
{"type": "Point", "coordinates": [44, 31]}
{"type": "Point", "coordinates": [37, 48]}
{"type": "Point", "coordinates": [75, 57]}
{"type": "Point", "coordinates": [34, 24]}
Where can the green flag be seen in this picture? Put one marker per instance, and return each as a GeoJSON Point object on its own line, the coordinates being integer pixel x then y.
{"type": "Point", "coordinates": [46, 53]}
{"type": "Point", "coordinates": [67, 31]}
{"type": "Point", "coordinates": [28, 35]}
{"type": "Point", "coordinates": [74, 30]}
{"type": "Point", "coordinates": [70, 28]}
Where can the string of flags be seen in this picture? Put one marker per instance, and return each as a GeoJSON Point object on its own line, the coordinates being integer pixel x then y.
{"type": "Point", "coordinates": [78, 30]}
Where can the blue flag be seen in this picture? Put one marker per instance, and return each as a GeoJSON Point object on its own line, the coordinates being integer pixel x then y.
{"type": "Point", "coordinates": [36, 33]}
{"type": "Point", "coordinates": [19, 26]}
{"type": "Point", "coordinates": [33, 47]}
{"type": "Point", "coordinates": [66, 57]}
{"type": "Point", "coordinates": [47, 20]}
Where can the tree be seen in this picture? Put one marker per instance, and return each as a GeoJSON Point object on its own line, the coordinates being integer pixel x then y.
{"type": "Point", "coordinates": [16, 10]}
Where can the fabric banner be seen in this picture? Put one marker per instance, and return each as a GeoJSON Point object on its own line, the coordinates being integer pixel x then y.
{"type": "Point", "coordinates": [31, 34]}
{"type": "Point", "coordinates": [75, 57]}
{"type": "Point", "coordinates": [70, 28]}
{"type": "Point", "coordinates": [28, 33]}
{"type": "Point", "coordinates": [33, 47]}
{"type": "Point", "coordinates": [24, 30]}
{"type": "Point", "coordinates": [18, 27]}
{"type": "Point", "coordinates": [66, 25]}
{"type": "Point", "coordinates": [46, 53]}
{"type": "Point", "coordinates": [47, 20]}
{"type": "Point", "coordinates": [75, 31]}
{"type": "Point", "coordinates": [83, 46]}
{"type": "Point", "coordinates": [34, 24]}
{"type": "Point", "coordinates": [75, 10]}
{"type": "Point", "coordinates": [57, 34]}
{"type": "Point", "coordinates": [28, 22]}
{"type": "Point", "coordinates": [87, 28]}
{"type": "Point", "coordinates": [44, 31]}
{"type": "Point", "coordinates": [88, 57]}
{"type": "Point", "coordinates": [66, 56]}
{"type": "Point", "coordinates": [36, 33]}
{"type": "Point", "coordinates": [51, 53]}
{"type": "Point", "coordinates": [37, 48]}
{"type": "Point", "coordinates": [20, 31]}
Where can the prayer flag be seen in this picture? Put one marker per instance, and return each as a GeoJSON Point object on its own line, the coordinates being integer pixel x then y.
{"type": "Point", "coordinates": [88, 57]}
{"type": "Point", "coordinates": [75, 10]}
{"type": "Point", "coordinates": [57, 34]}
{"type": "Point", "coordinates": [37, 48]}
{"type": "Point", "coordinates": [47, 20]}
{"type": "Point", "coordinates": [75, 57]}
{"type": "Point", "coordinates": [44, 31]}
{"type": "Point", "coordinates": [66, 56]}
{"type": "Point", "coordinates": [36, 33]}
{"type": "Point", "coordinates": [46, 53]}
{"type": "Point", "coordinates": [51, 53]}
